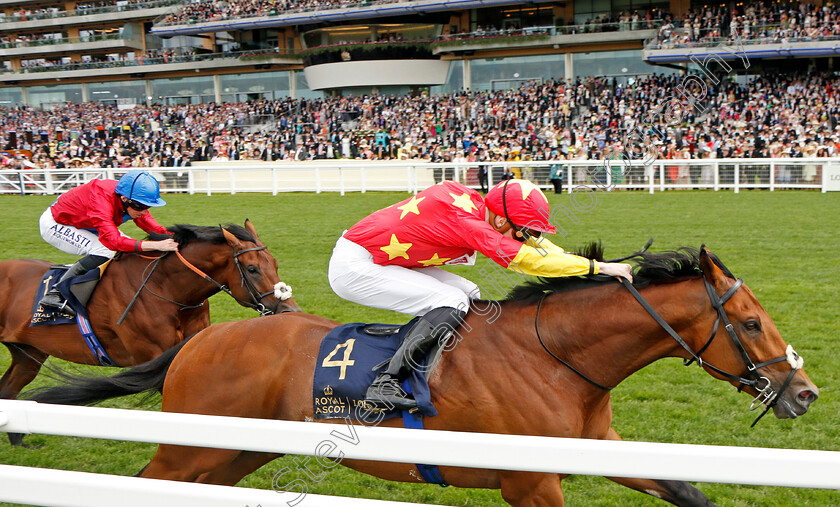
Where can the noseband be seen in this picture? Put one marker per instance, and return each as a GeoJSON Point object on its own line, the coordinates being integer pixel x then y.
{"type": "Point", "coordinates": [766, 394]}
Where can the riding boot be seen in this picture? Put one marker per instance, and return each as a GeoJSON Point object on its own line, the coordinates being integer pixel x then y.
{"type": "Point", "coordinates": [54, 299]}
{"type": "Point", "coordinates": [433, 327]}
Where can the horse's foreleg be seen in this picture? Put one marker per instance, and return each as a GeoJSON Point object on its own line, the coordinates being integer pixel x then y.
{"type": "Point", "coordinates": [676, 492]}
{"type": "Point", "coordinates": [26, 363]}
{"type": "Point", "coordinates": [528, 489]}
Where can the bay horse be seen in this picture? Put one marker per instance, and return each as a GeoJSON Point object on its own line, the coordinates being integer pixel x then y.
{"type": "Point", "coordinates": [170, 301]}
{"type": "Point", "coordinates": [543, 367]}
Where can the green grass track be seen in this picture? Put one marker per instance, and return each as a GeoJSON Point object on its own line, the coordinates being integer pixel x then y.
{"type": "Point", "coordinates": [785, 245]}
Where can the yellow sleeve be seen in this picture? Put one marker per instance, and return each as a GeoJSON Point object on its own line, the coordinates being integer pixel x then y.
{"type": "Point", "coordinates": [548, 259]}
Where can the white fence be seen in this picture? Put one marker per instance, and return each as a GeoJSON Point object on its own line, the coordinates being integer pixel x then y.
{"type": "Point", "coordinates": [412, 176]}
{"type": "Point", "coordinates": [704, 463]}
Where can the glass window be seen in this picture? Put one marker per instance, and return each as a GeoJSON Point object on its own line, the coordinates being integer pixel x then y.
{"type": "Point", "coordinates": [254, 86]}
{"type": "Point", "coordinates": [112, 91]}
{"type": "Point", "coordinates": [614, 64]}
{"type": "Point", "coordinates": [11, 97]}
{"type": "Point", "coordinates": [302, 90]}
{"type": "Point", "coordinates": [506, 73]}
{"type": "Point", "coordinates": [454, 80]}
{"type": "Point", "coordinates": [182, 90]}
{"type": "Point", "coordinates": [47, 96]}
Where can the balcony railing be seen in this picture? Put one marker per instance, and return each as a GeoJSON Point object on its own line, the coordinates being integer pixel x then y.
{"type": "Point", "coordinates": [356, 51]}
{"type": "Point", "coordinates": [16, 18]}
{"type": "Point", "coordinates": [759, 35]}
{"type": "Point", "coordinates": [551, 30]}
{"type": "Point", "coordinates": [63, 40]}
{"type": "Point", "coordinates": [140, 61]}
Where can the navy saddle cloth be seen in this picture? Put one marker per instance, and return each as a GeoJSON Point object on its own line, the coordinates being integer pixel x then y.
{"type": "Point", "coordinates": [73, 289]}
{"type": "Point", "coordinates": [345, 370]}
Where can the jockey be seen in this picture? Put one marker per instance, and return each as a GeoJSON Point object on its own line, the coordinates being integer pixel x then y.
{"type": "Point", "coordinates": [84, 221]}
{"type": "Point", "coordinates": [390, 260]}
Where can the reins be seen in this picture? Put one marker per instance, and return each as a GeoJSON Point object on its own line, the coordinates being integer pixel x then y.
{"type": "Point", "coordinates": [766, 395]}
{"type": "Point", "coordinates": [253, 292]}
{"type": "Point", "coordinates": [552, 354]}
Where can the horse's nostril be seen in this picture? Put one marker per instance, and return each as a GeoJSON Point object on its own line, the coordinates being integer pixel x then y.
{"type": "Point", "coordinates": [807, 395]}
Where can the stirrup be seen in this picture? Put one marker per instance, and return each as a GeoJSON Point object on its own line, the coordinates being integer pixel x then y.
{"type": "Point", "coordinates": [61, 306]}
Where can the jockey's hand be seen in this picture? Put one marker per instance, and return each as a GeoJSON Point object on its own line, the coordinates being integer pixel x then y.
{"type": "Point", "coordinates": [619, 269]}
{"type": "Point", "coordinates": [165, 245]}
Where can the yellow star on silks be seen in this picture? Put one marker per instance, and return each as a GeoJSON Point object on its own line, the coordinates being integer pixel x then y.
{"type": "Point", "coordinates": [527, 187]}
{"type": "Point", "coordinates": [396, 249]}
{"type": "Point", "coordinates": [434, 261]}
{"type": "Point", "coordinates": [463, 201]}
{"type": "Point", "coordinates": [410, 207]}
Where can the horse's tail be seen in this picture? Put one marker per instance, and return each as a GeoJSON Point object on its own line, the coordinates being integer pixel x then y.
{"type": "Point", "coordinates": [78, 390]}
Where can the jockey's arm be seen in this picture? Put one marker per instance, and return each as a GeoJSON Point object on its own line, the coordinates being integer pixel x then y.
{"type": "Point", "coordinates": [541, 257]}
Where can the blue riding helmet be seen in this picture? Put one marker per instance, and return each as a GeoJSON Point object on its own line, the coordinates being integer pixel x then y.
{"type": "Point", "coordinates": [140, 186]}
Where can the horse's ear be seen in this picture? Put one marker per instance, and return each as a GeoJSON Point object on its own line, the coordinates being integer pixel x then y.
{"type": "Point", "coordinates": [232, 240]}
{"type": "Point", "coordinates": [250, 228]}
{"type": "Point", "coordinates": [711, 271]}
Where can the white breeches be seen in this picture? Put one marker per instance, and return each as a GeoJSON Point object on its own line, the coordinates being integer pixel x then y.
{"type": "Point", "coordinates": [354, 277]}
{"type": "Point", "coordinates": [70, 239]}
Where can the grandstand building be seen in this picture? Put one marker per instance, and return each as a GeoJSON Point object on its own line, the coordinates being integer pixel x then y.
{"type": "Point", "coordinates": [169, 52]}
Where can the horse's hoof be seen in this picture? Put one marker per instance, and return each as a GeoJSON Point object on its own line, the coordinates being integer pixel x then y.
{"type": "Point", "coordinates": [16, 439]}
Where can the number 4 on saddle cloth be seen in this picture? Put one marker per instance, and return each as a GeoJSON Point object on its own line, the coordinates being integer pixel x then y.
{"type": "Point", "coordinates": [77, 292]}
{"type": "Point", "coordinates": [345, 369]}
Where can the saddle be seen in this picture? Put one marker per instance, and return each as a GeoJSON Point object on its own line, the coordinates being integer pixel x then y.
{"type": "Point", "coordinates": [345, 367]}
{"type": "Point", "coordinates": [76, 290]}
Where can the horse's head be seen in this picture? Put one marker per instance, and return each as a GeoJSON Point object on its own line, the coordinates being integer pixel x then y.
{"type": "Point", "coordinates": [255, 281]}
{"type": "Point", "coordinates": [747, 349]}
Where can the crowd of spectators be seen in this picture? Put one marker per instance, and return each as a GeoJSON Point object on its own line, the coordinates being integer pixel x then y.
{"type": "Point", "coordinates": [764, 22]}
{"type": "Point", "coordinates": [217, 10]}
{"type": "Point", "coordinates": [593, 118]}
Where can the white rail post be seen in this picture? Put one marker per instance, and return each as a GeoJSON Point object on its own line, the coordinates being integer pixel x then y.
{"type": "Point", "coordinates": [648, 168]}
{"type": "Point", "coordinates": [362, 178]}
{"type": "Point", "coordinates": [737, 174]}
{"type": "Point", "coordinates": [232, 182]}
{"type": "Point", "coordinates": [661, 176]}
{"type": "Point", "coordinates": [48, 180]}
{"type": "Point", "coordinates": [207, 178]}
{"type": "Point", "coordinates": [567, 170]}
{"type": "Point", "coordinates": [275, 189]}
{"type": "Point", "coordinates": [341, 180]}
{"type": "Point", "coordinates": [317, 180]}
{"type": "Point", "coordinates": [772, 175]}
{"type": "Point", "coordinates": [717, 175]}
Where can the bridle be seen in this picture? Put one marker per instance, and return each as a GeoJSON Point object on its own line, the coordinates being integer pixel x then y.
{"type": "Point", "coordinates": [766, 394]}
{"type": "Point", "coordinates": [255, 295]}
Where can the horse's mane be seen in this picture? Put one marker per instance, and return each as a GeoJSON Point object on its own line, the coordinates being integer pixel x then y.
{"type": "Point", "coordinates": [683, 262]}
{"type": "Point", "coordinates": [184, 234]}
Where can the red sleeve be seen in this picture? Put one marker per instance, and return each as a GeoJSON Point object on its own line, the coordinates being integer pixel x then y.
{"type": "Point", "coordinates": [102, 210]}
{"type": "Point", "coordinates": [479, 235]}
{"type": "Point", "coordinates": [148, 223]}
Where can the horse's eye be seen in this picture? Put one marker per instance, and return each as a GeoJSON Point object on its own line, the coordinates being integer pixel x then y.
{"type": "Point", "coordinates": [253, 269]}
{"type": "Point", "coordinates": [752, 325]}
